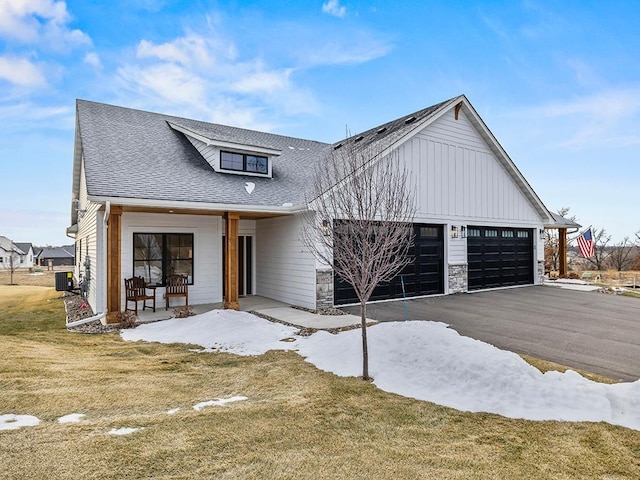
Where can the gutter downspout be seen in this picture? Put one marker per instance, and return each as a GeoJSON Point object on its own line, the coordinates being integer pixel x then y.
{"type": "Point", "coordinates": [107, 212]}
{"type": "Point", "coordinates": [99, 316]}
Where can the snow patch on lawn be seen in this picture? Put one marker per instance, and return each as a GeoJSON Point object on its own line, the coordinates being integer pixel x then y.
{"type": "Point", "coordinates": [218, 403]}
{"type": "Point", "coordinates": [71, 418]}
{"type": "Point", "coordinates": [9, 421]}
{"type": "Point", "coordinates": [243, 333]}
{"type": "Point", "coordinates": [418, 359]}
{"type": "Point", "coordinates": [124, 430]}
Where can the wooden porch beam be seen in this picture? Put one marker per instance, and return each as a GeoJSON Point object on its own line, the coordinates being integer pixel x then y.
{"type": "Point", "coordinates": [114, 253]}
{"type": "Point", "coordinates": [562, 252]}
{"type": "Point", "coordinates": [231, 261]}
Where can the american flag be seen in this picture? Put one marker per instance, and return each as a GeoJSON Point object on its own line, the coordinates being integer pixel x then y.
{"type": "Point", "coordinates": [585, 244]}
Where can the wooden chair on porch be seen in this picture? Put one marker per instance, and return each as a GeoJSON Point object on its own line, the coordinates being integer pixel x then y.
{"type": "Point", "coordinates": [135, 291]}
{"type": "Point", "coordinates": [177, 286]}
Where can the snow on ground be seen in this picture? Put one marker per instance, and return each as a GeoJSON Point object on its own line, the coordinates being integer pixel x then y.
{"type": "Point", "coordinates": [71, 418]}
{"type": "Point", "coordinates": [218, 403]}
{"type": "Point", "coordinates": [418, 359]}
{"type": "Point", "coordinates": [244, 334]}
{"type": "Point", "coordinates": [9, 421]}
{"type": "Point", "coordinates": [123, 431]}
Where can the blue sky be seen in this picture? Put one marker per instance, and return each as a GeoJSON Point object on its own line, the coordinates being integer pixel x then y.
{"type": "Point", "coordinates": [557, 82]}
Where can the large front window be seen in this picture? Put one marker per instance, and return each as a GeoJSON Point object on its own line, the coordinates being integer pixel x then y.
{"type": "Point", "coordinates": [244, 162]}
{"type": "Point", "coordinates": [158, 255]}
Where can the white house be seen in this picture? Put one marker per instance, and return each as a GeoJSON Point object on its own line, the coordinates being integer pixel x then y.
{"type": "Point", "coordinates": [27, 257]}
{"type": "Point", "coordinates": [10, 254]}
{"type": "Point", "coordinates": [155, 195]}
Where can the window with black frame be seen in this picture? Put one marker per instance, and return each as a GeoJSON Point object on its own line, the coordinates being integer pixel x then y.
{"type": "Point", "coordinates": [158, 255]}
{"type": "Point", "coordinates": [244, 162]}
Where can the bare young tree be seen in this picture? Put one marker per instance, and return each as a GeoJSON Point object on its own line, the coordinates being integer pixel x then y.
{"type": "Point", "coordinates": [600, 252]}
{"type": "Point", "coordinates": [360, 221]}
{"type": "Point", "coordinates": [621, 255]}
{"type": "Point", "coordinates": [12, 262]}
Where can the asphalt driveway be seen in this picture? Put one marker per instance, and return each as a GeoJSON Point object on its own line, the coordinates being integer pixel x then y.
{"type": "Point", "coordinates": [593, 331]}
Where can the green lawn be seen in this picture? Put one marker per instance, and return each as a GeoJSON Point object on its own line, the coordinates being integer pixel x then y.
{"type": "Point", "coordinates": [298, 422]}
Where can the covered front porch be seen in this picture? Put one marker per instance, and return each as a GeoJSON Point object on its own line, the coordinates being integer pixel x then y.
{"type": "Point", "coordinates": [234, 260]}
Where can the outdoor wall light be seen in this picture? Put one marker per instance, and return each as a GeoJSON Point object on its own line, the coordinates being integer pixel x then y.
{"type": "Point", "coordinates": [325, 228]}
{"type": "Point", "coordinates": [454, 232]}
{"type": "Point", "coordinates": [463, 232]}
{"type": "Point", "coordinates": [542, 234]}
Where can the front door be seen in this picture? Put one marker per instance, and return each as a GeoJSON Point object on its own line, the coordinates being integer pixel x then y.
{"type": "Point", "coordinates": [245, 264]}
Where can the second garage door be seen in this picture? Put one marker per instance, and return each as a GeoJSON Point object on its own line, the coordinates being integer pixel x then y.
{"type": "Point", "coordinates": [499, 257]}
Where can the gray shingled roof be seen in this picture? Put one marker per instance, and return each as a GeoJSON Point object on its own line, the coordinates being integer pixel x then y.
{"type": "Point", "coordinates": [8, 246]}
{"type": "Point", "coordinates": [57, 252]}
{"type": "Point", "coordinates": [387, 134]}
{"type": "Point", "coordinates": [136, 154]}
{"type": "Point", "coordinates": [561, 222]}
{"type": "Point", "coordinates": [24, 246]}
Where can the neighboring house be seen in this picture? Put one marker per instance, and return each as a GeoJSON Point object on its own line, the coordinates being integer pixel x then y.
{"type": "Point", "coordinates": [156, 194]}
{"type": "Point", "coordinates": [10, 254]}
{"type": "Point", "coordinates": [27, 258]}
{"type": "Point", "coordinates": [56, 256]}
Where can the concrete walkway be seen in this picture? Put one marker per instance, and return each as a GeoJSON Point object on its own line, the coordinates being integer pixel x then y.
{"type": "Point", "coordinates": [279, 311]}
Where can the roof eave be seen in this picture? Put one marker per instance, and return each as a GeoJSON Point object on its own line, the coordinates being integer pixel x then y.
{"type": "Point", "coordinates": [77, 167]}
{"type": "Point", "coordinates": [285, 209]}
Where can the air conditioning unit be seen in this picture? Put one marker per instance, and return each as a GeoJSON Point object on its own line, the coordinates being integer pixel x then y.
{"type": "Point", "coordinates": [64, 281]}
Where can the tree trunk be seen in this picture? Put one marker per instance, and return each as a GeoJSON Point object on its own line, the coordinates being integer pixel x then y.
{"type": "Point", "coordinates": [365, 351]}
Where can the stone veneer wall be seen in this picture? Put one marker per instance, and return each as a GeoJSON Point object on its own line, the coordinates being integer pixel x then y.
{"type": "Point", "coordinates": [458, 281]}
{"type": "Point", "coordinates": [540, 272]}
{"type": "Point", "coordinates": [324, 288]}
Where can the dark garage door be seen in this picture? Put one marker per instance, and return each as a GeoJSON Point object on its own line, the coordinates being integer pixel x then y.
{"type": "Point", "coordinates": [424, 276]}
{"type": "Point", "coordinates": [499, 257]}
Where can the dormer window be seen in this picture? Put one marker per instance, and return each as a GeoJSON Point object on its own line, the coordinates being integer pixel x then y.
{"type": "Point", "coordinates": [242, 162]}
{"type": "Point", "coordinates": [236, 158]}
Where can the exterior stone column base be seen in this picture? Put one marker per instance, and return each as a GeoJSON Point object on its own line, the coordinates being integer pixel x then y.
{"type": "Point", "coordinates": [540, 272]}
{"type": "Point", "coordinates": [324, 288]}
{"type": "Point", "coordinates": [458, 278]}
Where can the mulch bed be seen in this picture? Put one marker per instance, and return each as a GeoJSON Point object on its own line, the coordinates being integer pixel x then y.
{"type": "Point", "coordinates": [78, 309]}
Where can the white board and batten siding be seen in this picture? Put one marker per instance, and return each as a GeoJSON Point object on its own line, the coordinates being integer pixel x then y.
{"type": "Point", "coordinates": [207, 251]}
{"type": "Point", "coordinates": [461, 178]}
{"type": "Point", "coordinates": [461, 181]}
{"type": "Point", "coordinates": [285, 269]}
{"type": "Point", "coordinates": [87, 246]}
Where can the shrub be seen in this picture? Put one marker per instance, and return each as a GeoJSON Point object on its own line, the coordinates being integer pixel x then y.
{"type": "Point", "coordinates": [127, 319]}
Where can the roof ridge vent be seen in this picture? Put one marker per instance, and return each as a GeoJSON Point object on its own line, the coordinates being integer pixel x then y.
{"type": "Point", "coordinates": [337, 146]}
{"type": "Point", "coordinates": [409, 120]}
{"type": "Point", "coordinates": [360, 137]}
{"type": "Point", "coordinates": [381, 130]}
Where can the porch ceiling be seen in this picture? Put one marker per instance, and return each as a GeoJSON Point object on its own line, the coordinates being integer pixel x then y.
{"type": "Point", "coordinates": [193, 211]}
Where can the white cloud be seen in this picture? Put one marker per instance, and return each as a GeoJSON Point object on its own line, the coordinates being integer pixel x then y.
{"type": "Point", "coordinates": [21, 72]}
{"type": "Point", "coordinates": [604, 118]}
{"type": "Point", "coordinates": [266, 82]}
{"type": "Point", "coordinates": [93, 59]}
{"type": "Point", "coordinates": [344, 48]}
{"type": "Point", "coordinates": [333, 7]}
{"type": "Point", "coordinates": [189, 51]}
{"type": "Point", "coordinates": [43, 22]}
{"type": "Point", "coordinates": [171, 82]}
{"type": "Point", "coordinates": [202, 76]}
